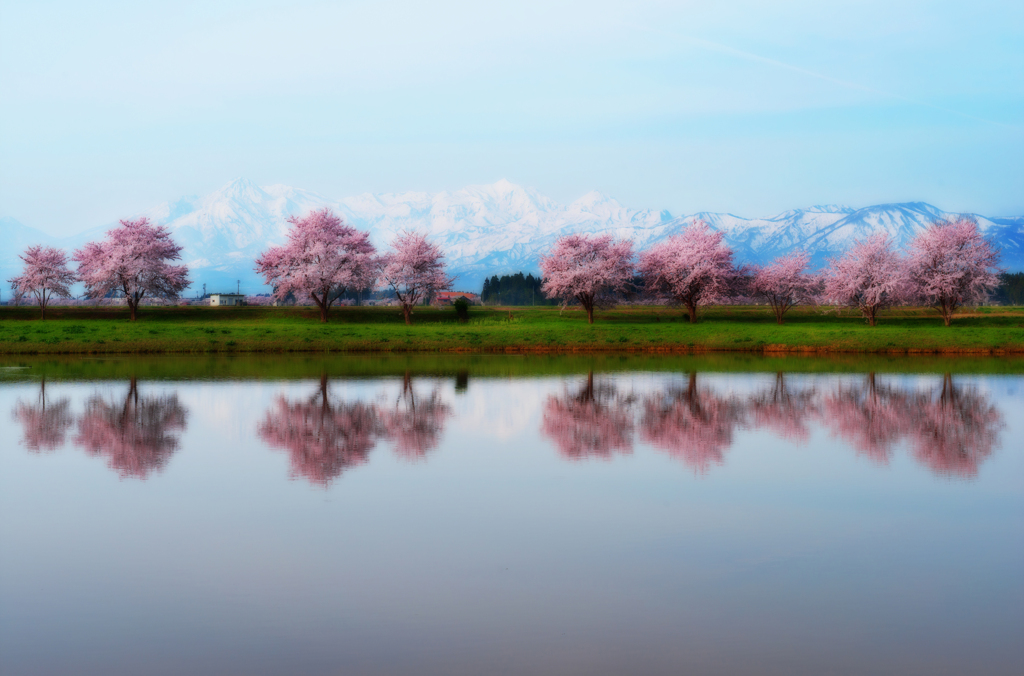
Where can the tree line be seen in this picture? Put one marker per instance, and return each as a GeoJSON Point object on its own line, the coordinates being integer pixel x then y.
{"type": "Point", "coordinates": [947, 266]}
{"type": "Point", "coordinates": [515, 290]}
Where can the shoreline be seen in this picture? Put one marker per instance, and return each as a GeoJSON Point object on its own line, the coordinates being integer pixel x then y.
{"type": "Point", "coordinates": [627, 330]}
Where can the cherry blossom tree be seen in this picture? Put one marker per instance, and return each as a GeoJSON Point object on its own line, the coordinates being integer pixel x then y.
{"type": "Point", "coordinates": [415, 423]}
{"type": "Point", "coordinates": [45, 423]}
{"type": "Point", "coordinates": [415, 269]}
{"type": "Point", "coordinates": [323, 438]}
{"type": "Point", "coordinates": [951, 264]}
{"type": "Point", "coordinates": [691, 269]}
{"type": "Point", "coordinates": [784, 283]}
{"type": "Point", "coordinates": [45, 276]}
{"type": "Point", "coordinates": [137, 436]}
{"type": "Point", "coordinates": [594, 421]}
{"type": "Point", "coordinates": [322, 259]}
{"type": "Point", "coordinates": [589, 270]}
{"type": "Point", "coordinates": [870, 276]}
{"type": "Point", "coordinates": [694, 425]}
{"type": "Point", "coordinates": [956, 428]}
{"type": "Point", "coordinates": [133, 259]}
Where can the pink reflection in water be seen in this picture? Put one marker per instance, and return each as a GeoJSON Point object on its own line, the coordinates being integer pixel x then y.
{"type": "Point", "coordinates": [956, 429]}
{"type": "Point", "coordinates": [694, 425]}
{"type": "Point", "coordinates": [323, 439]}
{"type": "Point", "coordinates": [871, 417]}
{"type": "Point", "coordinates": [783, 411]}
{"type": "Point", "coordinates": [46, 423]}
{"type": "Point", "coordinates": [415, 423]}
{"type": "Point", "coordinates": [136, 436]}
{"type": "Point", "coordinates": [592, 422]}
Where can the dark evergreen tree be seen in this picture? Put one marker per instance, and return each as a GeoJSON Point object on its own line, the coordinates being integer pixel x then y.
{"type": "Point", "coordinates": [1011, 289]}
{"type": "Point", "coordinates": [517, 289]}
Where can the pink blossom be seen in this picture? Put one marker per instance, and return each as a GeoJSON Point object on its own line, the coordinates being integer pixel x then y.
{"type": "Point", "coordinates": [785, 282]}
{"type": "Point", "coordinates": [137, 436]}
{"type": "Point", "coordinates": [870, 277]}
{"type": "Point", "coordinates": [46, 423]}
{"type": "Point", "coordinates": [951, 264]}
{"type": "Point", "coordinates": [322, 259]}
{"type": "Point", "coordinates": [691, 269]}
{"type": "Point", "coordinates": [693, 425]}
{"type": "Point", "coordinates": [593, 422]}
{"type": "Point", "coordinates": [46, 275]}
{"type": "Point", "coordinates": [133, 260]}
{"type": "Point", "coordinates": [589, 270]}
{"type": "Point", "coordinates": [415, 269]}
{"type": "Point", "coordinates": [322, 438]}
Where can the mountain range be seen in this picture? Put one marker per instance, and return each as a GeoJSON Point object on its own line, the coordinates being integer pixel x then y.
{"type": "Point", "coordinates": [492, 229]}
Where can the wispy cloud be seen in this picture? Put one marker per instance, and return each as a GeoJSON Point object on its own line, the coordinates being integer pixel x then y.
{"type": "Point", "coordinates": [719, 48]}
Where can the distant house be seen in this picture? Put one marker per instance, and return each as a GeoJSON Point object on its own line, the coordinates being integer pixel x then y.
{"type": "Point", "coordinates": [222, 299]}
{"type": "Point", "coordinates": [449, 297]}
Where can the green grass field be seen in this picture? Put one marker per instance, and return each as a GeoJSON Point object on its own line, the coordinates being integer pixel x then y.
{"type": "Point", "coordinates": [200, 330]}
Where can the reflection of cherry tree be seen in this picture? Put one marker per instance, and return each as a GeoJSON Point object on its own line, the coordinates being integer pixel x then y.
{"type": "Point", "coordinates": [595, 421]}
{"type": "Point", "coordinates": [957, 428]}
{"type": "Point", "coordinates": [415, 423]}
{"type": "Point", "coordinates": [45, 423]}
{"type": "Point", "coordinates": [784, 412]}
{"type": "Point", "coordinates": [136, 436]}
{"type": "Point", "coordinates": [693, 425]}
{"type": "Point", "coordinates": [871, 417]}
{"type": "Point", "coordinates": [323, 439]}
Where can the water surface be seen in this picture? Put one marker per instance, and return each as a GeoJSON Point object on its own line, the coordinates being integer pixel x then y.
{"type": "Point", "coordinates": [528, 515]}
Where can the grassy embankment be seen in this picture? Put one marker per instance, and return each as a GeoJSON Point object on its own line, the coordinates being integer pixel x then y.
{"type": "Point", "coordinates": [201, 330]}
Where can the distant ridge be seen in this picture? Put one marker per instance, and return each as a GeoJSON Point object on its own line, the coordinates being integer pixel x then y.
{"type": "Point", "coordinates": [496, 228]}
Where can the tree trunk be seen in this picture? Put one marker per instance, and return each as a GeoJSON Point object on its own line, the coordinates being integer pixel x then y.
{"type": "Point", "coordinates": [691, 310]}
{"type": "Point", "coordinates": [42, 311]}
{"type": "Point", "coordinates": [778, 314]}
{"type": "Point", "coordinates": [588, 304]}
{"type": "Point", "coordinates": [870, 314]}
{"type": "Point", "coordinates": [131, 308]}
{"type": "Point", "coordinates": [407, 313]}
{"type": "Point", "coordinates": [323, 314]}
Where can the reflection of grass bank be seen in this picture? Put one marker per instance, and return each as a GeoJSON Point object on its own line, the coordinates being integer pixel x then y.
{"type": "Point", "coordinates": [643, 329]}
{"type": "Point", "coordinates": [465, 366]}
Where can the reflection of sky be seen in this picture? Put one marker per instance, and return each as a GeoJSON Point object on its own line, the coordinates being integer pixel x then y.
{"type": "Point", "coordinates": [497, 552]}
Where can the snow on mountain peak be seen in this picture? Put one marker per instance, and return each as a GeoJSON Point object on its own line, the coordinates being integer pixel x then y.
{"type": "Point", "coordinates": [503, 227]}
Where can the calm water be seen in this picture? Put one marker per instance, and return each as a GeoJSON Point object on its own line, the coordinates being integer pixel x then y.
{"type": "Point", "coordinates": [459, 519]}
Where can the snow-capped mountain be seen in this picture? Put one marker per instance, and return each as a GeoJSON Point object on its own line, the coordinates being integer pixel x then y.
{"type": "Point", "coordinates": [497, 228]}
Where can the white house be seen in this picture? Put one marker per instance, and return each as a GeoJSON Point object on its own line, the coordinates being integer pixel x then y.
{"type": "Point", "coordinates": [219, 299]}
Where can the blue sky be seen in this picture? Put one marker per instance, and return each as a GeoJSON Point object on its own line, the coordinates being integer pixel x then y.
{"type": "Point", "coordinates": [107, 108]}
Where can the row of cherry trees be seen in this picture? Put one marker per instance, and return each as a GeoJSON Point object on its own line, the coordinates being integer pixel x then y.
{"type": "Point", "coordinates": [947, 265]}
{"type": "Point", "coordinates": [322, 259]}
{"type": "Point", "coordinates": [134, 258]}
